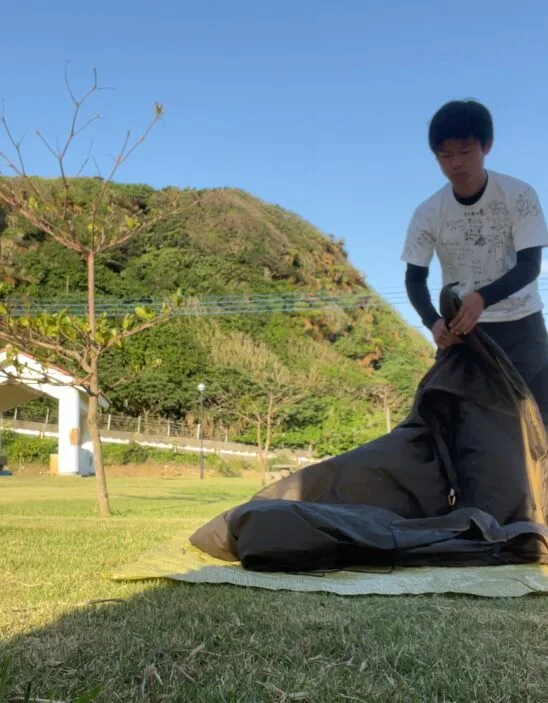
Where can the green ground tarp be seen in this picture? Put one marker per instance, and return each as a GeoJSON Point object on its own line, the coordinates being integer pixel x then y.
{"type": "Point", "coordinates": [178, 560]}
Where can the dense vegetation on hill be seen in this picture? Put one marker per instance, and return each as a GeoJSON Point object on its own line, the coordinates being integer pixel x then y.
{"type": "Point", "coordinates": [328, 375]}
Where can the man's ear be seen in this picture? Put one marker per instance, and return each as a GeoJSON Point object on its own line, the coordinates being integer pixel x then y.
{"type": "Point", "coordinates": [487, 148]}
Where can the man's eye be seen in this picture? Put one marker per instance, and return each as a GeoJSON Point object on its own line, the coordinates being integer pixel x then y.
{"type": "Point", "coordinates": [465, 151]}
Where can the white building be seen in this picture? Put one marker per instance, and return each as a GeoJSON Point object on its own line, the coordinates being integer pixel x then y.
{"type": "Point", "coordinates": [23, 377]}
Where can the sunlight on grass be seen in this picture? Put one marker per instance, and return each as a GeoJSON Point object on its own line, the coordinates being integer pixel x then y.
{"type": "Point", "coordinates": [65, 629]}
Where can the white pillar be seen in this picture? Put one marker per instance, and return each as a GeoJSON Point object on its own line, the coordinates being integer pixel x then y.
{"type": "Point", "coordinates": [69, 431]}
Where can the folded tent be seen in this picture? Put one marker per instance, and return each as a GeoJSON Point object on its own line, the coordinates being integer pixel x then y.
{"type": "Point", "coordinates": [463, 480]}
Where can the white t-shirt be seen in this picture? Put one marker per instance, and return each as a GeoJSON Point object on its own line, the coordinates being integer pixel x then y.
{"type": "Point", "coordinates": [477, 244]}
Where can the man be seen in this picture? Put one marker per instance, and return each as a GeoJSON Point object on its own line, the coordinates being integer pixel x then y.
{"type": "Point", "coordinates": [488, 231]}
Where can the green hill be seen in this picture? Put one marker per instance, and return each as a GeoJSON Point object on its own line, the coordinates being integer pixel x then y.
{"type": "Point", "coordinates": [335, 370]}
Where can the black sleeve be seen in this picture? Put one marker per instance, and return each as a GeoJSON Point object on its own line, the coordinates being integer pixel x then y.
{"type": "Point", "coordinates": [526, 270]}
{"type": "Point", "coordinates": [419, 296]}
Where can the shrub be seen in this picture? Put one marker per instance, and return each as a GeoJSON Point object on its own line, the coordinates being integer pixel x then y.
{"type": "Point", "coordinates": [22, 448]}
{"type": "Point", "coordinates": [165, 456]}
{"type": "Point", "coordinates": [125, 454]}
{"type": "Point", "coordinates": [229, 470]}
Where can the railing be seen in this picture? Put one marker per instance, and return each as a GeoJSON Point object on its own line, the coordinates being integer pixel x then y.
{"type": "Point", "coordinates": [124, 423]}
{"type": "Point", "coordinates": [123, 430]}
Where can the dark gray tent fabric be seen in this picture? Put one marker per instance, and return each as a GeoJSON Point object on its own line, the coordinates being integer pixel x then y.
{"type": "Point", "coordinates": [463, 480]}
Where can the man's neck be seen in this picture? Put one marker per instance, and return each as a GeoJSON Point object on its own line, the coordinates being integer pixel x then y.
{"type": "Point", "coordinates": [472, 188]}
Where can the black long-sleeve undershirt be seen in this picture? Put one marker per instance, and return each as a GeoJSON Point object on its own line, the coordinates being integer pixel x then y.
{"type": "Point", "coordinates": [416, 278]}
{"type": "Point", "coordinates": [526, 270]}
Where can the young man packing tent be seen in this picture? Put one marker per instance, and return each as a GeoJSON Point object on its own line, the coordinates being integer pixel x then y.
{"type": "Point", "coordinates": [463, 480]}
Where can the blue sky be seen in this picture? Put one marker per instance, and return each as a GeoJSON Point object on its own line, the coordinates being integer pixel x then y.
{"type": "Point", "coordinates": [320, 106]}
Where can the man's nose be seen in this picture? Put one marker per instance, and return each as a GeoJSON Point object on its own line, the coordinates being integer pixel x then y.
{"type": "Point", "coordinates": [456, 163]}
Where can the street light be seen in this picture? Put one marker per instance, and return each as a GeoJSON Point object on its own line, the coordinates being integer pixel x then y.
{"type": "Point", "coordinates": [201, 389]}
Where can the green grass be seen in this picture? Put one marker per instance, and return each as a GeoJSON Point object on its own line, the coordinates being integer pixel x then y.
{"type": "Point", "coordinates": [177, 642]}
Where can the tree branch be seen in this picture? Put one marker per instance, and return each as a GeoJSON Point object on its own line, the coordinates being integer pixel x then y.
{"type": "Point", "coordinates": [46, 143]}
{"type": "Point", "coordinates": [85, 162]}
{"type": "Point", "coordinates": [160, 319]}
{"type": "Point", "coordinates": [78, 103]}
{"type": "Point", "coordinates": [28, 338]}
{"type": "Point", "coordinates": [16, 145]}
{"type": "Point", "coordinates": [10, 198]}
{"type": "Point", "coordinates": [144, 227]}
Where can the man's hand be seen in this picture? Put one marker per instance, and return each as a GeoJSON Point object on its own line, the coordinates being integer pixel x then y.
{"type": "Point", "coordinates": [467, 317]}
{"type": "Point", "coordinates": [442, 336]}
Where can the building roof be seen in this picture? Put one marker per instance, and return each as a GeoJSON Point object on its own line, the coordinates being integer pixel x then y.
{"type": "Point", "coordinates": [30, 377]}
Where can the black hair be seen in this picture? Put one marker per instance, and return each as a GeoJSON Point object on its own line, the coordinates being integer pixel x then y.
{"type": "Point", "coordinates": [461, 119]}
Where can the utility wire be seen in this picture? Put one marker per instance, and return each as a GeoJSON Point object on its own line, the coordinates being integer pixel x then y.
{"type": "Point", "coordinates": [219, 304]}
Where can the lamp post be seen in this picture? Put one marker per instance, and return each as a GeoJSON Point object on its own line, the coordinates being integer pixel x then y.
{"type": "Point", "coordinates": [201, 389]}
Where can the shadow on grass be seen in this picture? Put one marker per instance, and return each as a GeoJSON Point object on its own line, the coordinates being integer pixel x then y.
{"type": "Point", "coordinates": [178, 642]}
{"type": "Point", "coordinates": [173, 642]}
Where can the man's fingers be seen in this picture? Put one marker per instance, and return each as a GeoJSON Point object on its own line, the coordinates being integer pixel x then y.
{"type": "Point", "coordinates": [458, 321]}
{"type": "Point", "coordinates": [461, 319]}
{"type": "Point", "coordinates": [447, 338]}
{"type": "Point", "coordinates": [464, 329]}
{"type": "Point", "coordinates": [458, 317]}
{"type": "Point", "coordinates": [464, 325]}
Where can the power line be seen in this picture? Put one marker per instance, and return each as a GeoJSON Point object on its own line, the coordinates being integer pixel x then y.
{"type": "Point", "coordinates": [220, 304]}
{"type": "Point", "coordinates": [208, 306]}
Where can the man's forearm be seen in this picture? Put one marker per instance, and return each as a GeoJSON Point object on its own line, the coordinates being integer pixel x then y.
{"type": "Point", "coordinates": [416, 278]}
{"type": "Point", "coordinates": [526, 270]}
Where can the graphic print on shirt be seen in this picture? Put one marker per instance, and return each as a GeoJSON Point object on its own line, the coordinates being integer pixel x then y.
{"type": "Point", "coordinates": [477, 244]}
{"type": "Point", "coordinates": [526, 205]}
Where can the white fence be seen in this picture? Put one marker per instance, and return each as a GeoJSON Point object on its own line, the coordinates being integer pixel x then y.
{"type": "Point", "coordinates": [163, 440]}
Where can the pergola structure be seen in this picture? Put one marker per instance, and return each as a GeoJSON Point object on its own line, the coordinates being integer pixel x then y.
{"type": "Point", "coordinates": [23, 377]}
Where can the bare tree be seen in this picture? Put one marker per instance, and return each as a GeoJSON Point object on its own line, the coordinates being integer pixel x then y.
{"type": "Point", "coordinates": [273, 389]}
{"type": "Point", "coordinates": [391, 401]}
{"type": "Point", "coordinates": [89, 227]}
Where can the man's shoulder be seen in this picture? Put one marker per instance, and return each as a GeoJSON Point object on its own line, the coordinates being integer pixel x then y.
{"type": "Point", "coordinates": [509, 185]}
{"type": "Point", "coordinates": [433, 204]}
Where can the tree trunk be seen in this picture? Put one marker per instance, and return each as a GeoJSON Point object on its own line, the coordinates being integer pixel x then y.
{"type": "Point", "coordinates": [262, 462]}
{"type": "Point", "coordinates": [100, 475]}
{"type": "Point", "coordinates": [268, 434]}
{"type": "Point", "coordinates": [93, 401]}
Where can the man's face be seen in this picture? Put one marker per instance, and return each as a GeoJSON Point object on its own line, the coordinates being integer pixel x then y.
{"type": "Point", "coordinates": [461, 161]}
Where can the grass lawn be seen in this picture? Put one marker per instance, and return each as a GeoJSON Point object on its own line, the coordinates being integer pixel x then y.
{"type": "Point", "coordinates": [177, 642]}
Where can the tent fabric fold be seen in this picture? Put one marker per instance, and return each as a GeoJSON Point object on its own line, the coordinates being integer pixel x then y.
{"type": "Point", "coordinates": [462, 481]}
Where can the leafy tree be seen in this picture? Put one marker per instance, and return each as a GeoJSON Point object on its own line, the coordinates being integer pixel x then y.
{"type": "Point", "coordinates": [85, 219]}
